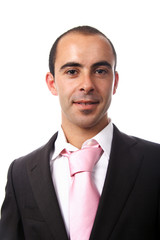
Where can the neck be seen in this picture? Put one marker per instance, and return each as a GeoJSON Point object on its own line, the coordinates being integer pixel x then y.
{"type": "Point", "coordinates": [77, 136]}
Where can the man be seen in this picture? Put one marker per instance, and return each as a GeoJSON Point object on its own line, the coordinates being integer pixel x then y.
{"type": "Point", "coordinates": [126, 175]}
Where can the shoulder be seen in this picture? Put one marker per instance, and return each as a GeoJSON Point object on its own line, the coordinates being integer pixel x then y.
{"type": "Point", "coordinates": [149, 149]}
{"type": "Point", "coordinates": [141, 144]}
{"type": "Point", "coordinates": [35, 155]}
{"type": "Point", "coordinates": [147, 144]}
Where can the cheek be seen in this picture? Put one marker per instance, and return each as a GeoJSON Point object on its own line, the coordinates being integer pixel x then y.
{"type": "Point", "coordinates": [105, 89]}
{"type": "Point", "coordinates": [64, 98]}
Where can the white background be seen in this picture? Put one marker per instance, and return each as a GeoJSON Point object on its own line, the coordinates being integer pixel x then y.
{"type": "Point", "coordinates": [29, 114]}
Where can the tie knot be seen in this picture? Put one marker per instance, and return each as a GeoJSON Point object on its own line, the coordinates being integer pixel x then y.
{"type": "Point", "coordinates": [84, 159]}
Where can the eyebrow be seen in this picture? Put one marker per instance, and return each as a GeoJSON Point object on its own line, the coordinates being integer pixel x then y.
{"type": "Point", "coordinates": [75, 64]}
{"type": "Point", "coordinates": [102, 63]}
{"type": "Point", "coordinates": [71, 64]}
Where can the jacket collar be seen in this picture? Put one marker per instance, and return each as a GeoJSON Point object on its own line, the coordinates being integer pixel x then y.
{"type": "Point", "coordinates": [41, 182]}
{"type": "Point", "coordinates": [124, 165]}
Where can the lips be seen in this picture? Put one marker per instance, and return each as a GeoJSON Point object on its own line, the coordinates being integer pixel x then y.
{"type": "Point", "coordinates": [84, 105]}
{"type": "Point", "coordinates": [86, 102]}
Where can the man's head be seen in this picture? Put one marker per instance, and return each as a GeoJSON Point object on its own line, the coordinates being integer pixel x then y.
{"type": "Point", "coordinates": [85, 30]}
{"type": "Point", "coordinates": [83, 76]}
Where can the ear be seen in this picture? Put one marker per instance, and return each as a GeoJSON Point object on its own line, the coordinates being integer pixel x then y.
{"type": "Point", "coordinates": [51, 83]}
{"type": "Point", "coordinates": [116, 81]}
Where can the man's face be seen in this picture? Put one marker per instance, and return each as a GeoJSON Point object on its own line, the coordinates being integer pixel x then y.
{"type": "Point", "coordinates": [84, 80]}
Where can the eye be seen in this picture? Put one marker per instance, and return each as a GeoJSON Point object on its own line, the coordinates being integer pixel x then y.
{"type": "Point", "coordinates": [101, 71]}
{"type": "Point", "coordinates": [72, 72]}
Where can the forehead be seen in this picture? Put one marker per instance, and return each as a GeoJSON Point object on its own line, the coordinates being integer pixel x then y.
{"type": "Point", "coordinates": [83, 48]}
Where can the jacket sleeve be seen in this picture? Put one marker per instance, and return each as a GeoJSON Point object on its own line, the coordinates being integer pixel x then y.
{"type": "Point", "coordinates": [10, 222]}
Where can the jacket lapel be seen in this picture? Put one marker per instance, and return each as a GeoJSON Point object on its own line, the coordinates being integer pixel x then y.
{"type": "Point", "coordinates": [124, 164]}
{"type": "Point", "coordinates": [43, 190]}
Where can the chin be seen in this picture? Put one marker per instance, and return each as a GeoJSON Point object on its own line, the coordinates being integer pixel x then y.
{"type": "Point", "coordinates": [87, 124]}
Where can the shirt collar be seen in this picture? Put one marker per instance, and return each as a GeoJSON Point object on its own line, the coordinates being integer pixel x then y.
{"type": "Point", "coordinates": [104, 138]}
{"type": "Point", "coordinates": [61, 143]}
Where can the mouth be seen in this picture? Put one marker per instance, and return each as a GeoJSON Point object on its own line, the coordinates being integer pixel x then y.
{"type": "Point", "coordinates": [86, 104]}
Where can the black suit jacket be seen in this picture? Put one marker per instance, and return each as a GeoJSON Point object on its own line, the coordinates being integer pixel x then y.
{"type": "Point", "coordinates": [129, 208]}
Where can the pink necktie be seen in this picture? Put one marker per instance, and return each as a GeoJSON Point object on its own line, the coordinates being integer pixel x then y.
{"type": "Point", "coordinates": [84, 197]}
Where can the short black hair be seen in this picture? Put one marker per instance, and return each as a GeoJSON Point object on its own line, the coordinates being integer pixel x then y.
{"type": "Point", "coordinates": [85, 30]}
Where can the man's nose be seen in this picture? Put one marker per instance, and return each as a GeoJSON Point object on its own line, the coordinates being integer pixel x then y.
{"type": "Point", "coordinates": [87, 84]}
